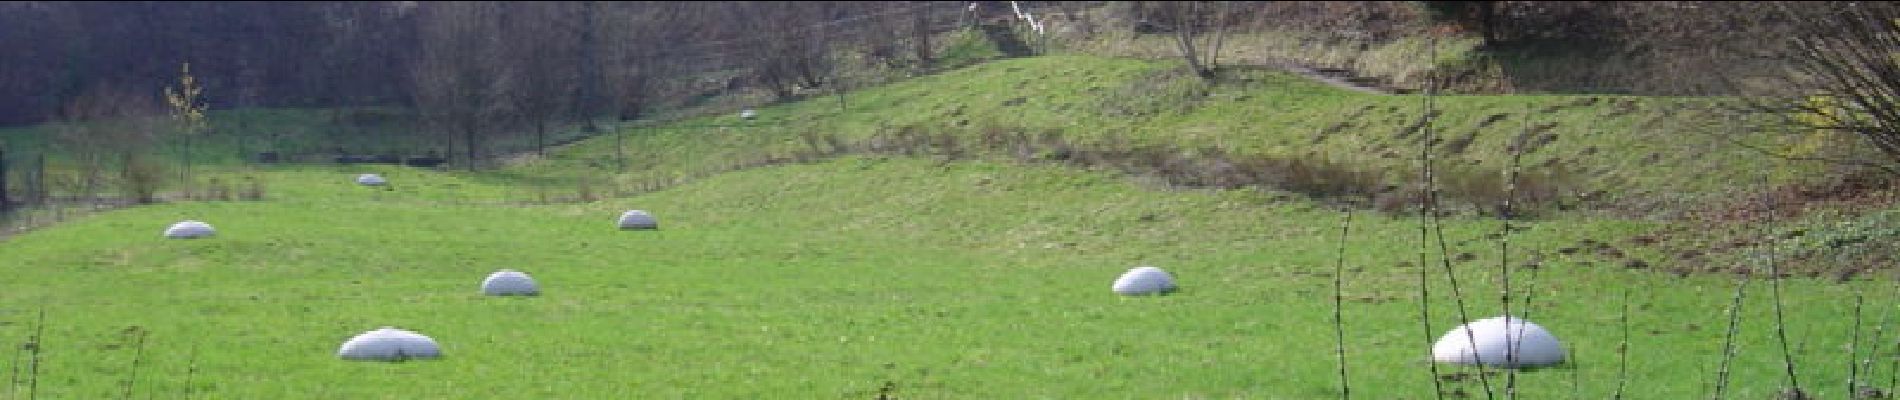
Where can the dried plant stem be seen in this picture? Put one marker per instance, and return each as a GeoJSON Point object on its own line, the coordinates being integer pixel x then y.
{"type": "Point", "coordinates": [1530, 295]}
{"type": "Point", "coordinates": [191, 370]}
{"type": "Point", "coordinates": [1339, 295]}
{"type": "Point", "coordinates": [1430, 225]}
{"type": "Point", "coordinates": [1424, 238]}
{"type": "Point", "coordinates": [1504, 257]}
{"type": "Point", "coordinates": [1875, 344]}
{"type": "Point", "coordinates": [1853, 350]}
{"type": "Point", "coordinates": [1576, 375]}
{"type": "Point", "coordinates": [1623, 348]}
{"type": "Point", "coordinates": [1425, 315]}
{"type": "Point", "coordinates": [1728, 339]}
{"type": "Point", "coordinates": [1774, 281]}
{"type": "Point", "coordinates": [1438, 230]}
{"type": "Point", "coordinates": [1457, 295]}
{"type": "Point", "coordinates": [1893, 370]}
{"type": "Point", "coordinates": [138, 353]}
{"type": "Point", "coordinates": [33, 370]}
{"type": "Point", "coordinates": [13, 371]}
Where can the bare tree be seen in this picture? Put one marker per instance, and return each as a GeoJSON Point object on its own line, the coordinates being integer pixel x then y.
{"type": "Point", "coordinates": [882, 45]}
{"type": "Point", "coordinates": [635, 54]}
{"type": "Point", "coordinates": [1188, 20]}
{"type": "Point", "coordinates": [1073, 13]}
{"type": "Point", "coordinates": [1480, 16]}
{"type": "Point", "coordinates": [787, 51]}
{"type": "Point", "coordinates": [543, 52]}
{"type": "Point", "coordinates": [187, 106]}
{"type": "Point", "coordinates": [920, 31]}
{"type": "Point", "coordinates": [586, 101]}
{"type": "Point", "coordinates": [461, 77]}
{"type": "Point", "coordinates": [1842, 76]}
{"type": "Point", "coordinates": [105, 124]}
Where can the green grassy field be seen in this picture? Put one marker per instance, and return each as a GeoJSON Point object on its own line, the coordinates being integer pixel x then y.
{"type": "Point", "coordinates": [967, 278]}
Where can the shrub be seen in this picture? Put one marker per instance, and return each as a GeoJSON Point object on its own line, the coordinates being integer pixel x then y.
{"type": "Point", "coordinates": [1404, 200]}
{"type": "Point", "coordinates": [1320, 176]}
{"type": "Point", "coordinates": [254, 191]}
{"type": "Point", "coordinates": [584, 190]}
{"type": "Point", "coordinates": [1538, 188]}
{"type": "Point", "coordinates": [141, 177]}
{"type": "Point", "coordinates": [217, 189]}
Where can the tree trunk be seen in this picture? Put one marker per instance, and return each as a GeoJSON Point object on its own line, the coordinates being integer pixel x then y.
{"type": "Point", "coordinates": [1220, 37]}
{"type": "Point", "coordinates": [6, 203]}
{"type": "Point", "coordinates": [468, 142]}
{"type": "Point", "coordinates": [586, 94]}
{"type": "Point", "coordinates": [1488, 22]}
{"type": "Point", "coordinates": [1184, 38]}
{"type": "Point", "coordinates": [808, 74]}
{"type": "Point", "coordinates": [185, 173]}
{"type": "Point", "coordinates": [839, 87]}
{"type": "Point", "coordinates": [541, 137]}
{"type": "Point", "coordinates": [39, 178]}
{"type": "Point", "coordinates": [920, 34]}
{"type": "Point", "coordinates": [781, 89]}
{"type": "Point", "coordinates": [92, 171]}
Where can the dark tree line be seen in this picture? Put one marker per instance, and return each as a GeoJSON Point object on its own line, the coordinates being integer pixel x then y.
{"type": "Point", "coordinates": [469, 71]}
{"type": "Point", "coordinates": [320, 54]}
{"type": "Point", "coordinates": [252, 53]}
{"type": "Point", "coordinates": [474, 71]}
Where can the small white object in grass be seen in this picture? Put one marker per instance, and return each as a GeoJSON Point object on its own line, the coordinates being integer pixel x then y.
{"type": "Point", "coordinates": [189, 230]}
{"type": "Point", "coordinates": [1493, 340]}
{"type": "Point", "coordinates": [637, 219]}
{"type": "Point", "coordinates": [388, 344]}
{"type": "Point", "coordinates": [748, 114]}
{"type": "Point", "coordinates": [370, 180]}
{"type": "Point", "coordinates": [1144, 280]}
{"type": "Point", "coordinates": [509, 282]}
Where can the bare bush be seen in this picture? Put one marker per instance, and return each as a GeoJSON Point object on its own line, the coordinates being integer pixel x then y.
{"type": "Point", "coordinates": [1842, 79]}
{"type": "Point", "coordinates": [107, 124]}
{"type": "Point", "coordinates": [253, 190]}
{"type": "Point", "coordinates": [140, 177]}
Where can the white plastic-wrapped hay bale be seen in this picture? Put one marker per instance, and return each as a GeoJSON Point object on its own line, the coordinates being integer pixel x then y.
{"type": "Point", "coordinates": [189, 230]}
{"type": "Point", "coordinates": [637, 219]}
{"type": "Point", "coordinates": [1144, 280]}
{"type": "Point", "coordinates": [1499, 341]}
{"type": "Point", "coordinates": [748, 114]}
{"type": "Point", "coordinates": [388, 344]}
{"type": "Point", "coordinates": [509, 282]}
{"type": "Point", "coordinates": [371, 180]}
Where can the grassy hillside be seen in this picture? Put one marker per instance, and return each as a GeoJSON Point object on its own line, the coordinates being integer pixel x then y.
{"type": "Point", "coordinates": [1612, 144]}
{"type": "Point", "coordinates": [932, 239]}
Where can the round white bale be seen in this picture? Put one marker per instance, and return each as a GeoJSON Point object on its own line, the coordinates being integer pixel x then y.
{"type": "Point", "coordinates": [637, 219]}
{"type": "Point", "coordinates": [388, 344]}
{"type": "Point", "coordinates": [189, 230]}
{"type": "Point", "coordinates": [1499, 341]}
{"type": "Point", "coordinates": [509, 282]}
{"type": "Point", "coordinates": [371, 180]}
{"type": "Point", "coordinates": [748, 114]}
{"type": "Point", "coordinates": [1144, 280]}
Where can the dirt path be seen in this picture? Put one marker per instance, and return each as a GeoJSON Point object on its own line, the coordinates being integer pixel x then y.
{"type": "Point", "coordinates": [1339, 78]}
{"type": "Point", "coordinates": [1336, 78]}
